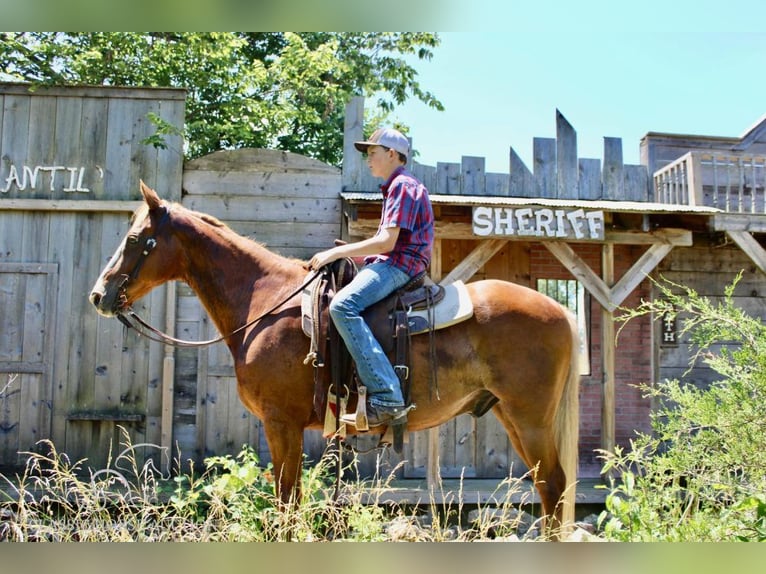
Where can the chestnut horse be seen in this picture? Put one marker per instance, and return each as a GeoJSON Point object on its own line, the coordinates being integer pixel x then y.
{"type": "Point", "coordinates": [520, 345]}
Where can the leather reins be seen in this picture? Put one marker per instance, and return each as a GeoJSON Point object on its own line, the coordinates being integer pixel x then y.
{"type": "Point", "coordinates": [130, 319]}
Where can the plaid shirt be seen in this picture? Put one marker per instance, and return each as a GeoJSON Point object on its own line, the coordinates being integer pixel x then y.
{"type": "Point", "coordinates": [406, 205]}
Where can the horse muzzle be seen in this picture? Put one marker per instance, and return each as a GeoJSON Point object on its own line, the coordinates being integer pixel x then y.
{"type": "Point", "coordinates": [106, 303]}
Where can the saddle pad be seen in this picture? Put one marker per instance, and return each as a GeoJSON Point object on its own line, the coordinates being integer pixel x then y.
{"type": "Point", "coordinates": [454, 308]}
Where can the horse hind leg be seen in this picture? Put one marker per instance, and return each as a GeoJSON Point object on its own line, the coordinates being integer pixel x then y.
{"type": "Point", "coordinates": [537, 448]}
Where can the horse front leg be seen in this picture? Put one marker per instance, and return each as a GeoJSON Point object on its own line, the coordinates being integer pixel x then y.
{"type": "Point", "coordinates": [285, 440]}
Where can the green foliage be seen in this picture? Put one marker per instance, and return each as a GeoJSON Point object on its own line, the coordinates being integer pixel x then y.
{"type": "Point", "coordinates": [273, 90]}
{"type": "Point", "coordinates": [701, 474]}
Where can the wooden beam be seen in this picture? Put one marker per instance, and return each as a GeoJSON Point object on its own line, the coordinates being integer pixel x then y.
{"type": "Point", "coordinates": [738, 222]}
{"type": "Point", "coordinates": [607, 356]}
{"type": "Point", "coordinates": [584, 274]}
{"type": "Point", "coordinates": [457, 230]}
{"type": "Point", "coordinates": [433, 474]}
{"type": "Point", "coordinates": [168, 371]}
{"type": "Point", "coordinates": [609, 298]}
{"type": "Point", "coordinates": [638, 271]}
{"type": "Point", "coordinates": [475, 260]}
{"type": "Point", "coordinates": [68, 205]}
{"type": "Point", "coordinates": [750, 246]}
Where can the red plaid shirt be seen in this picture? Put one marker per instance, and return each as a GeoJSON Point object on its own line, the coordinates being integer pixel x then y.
{"type": "Point", "coordinates": [406, 205]}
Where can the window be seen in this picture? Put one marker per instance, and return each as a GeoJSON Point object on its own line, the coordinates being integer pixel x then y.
{"type": "Point", "coordinates": [571, 294]}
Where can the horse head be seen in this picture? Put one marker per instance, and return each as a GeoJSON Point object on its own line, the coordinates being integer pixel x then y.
{"type": "Point", "coordinates": [135, 268]}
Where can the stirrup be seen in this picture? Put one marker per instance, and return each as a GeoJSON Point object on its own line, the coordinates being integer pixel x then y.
{"type": "Point", "coordinates": [359, 420]}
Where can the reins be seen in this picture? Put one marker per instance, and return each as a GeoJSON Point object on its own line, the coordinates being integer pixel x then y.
{"type": "Point", "coordinates": [154, 334]}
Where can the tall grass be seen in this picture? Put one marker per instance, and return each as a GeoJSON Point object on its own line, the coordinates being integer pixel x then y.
{"type": "Point", "coordinates": [231, 499]}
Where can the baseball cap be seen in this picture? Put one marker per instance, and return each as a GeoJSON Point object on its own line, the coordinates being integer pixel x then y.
{"type": "Point", "coordinates": [386, 137]}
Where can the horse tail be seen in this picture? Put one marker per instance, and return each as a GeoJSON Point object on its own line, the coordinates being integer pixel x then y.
{"type": "Point", "coordinates": [567, 425]}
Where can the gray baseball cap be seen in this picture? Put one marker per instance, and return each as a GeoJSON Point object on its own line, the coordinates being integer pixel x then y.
{"type": "Point", "coordinates": [386, 137]}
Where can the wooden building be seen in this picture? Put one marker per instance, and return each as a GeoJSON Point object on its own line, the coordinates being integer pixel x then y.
{"type": "Point", "coordinates": [586, 230]}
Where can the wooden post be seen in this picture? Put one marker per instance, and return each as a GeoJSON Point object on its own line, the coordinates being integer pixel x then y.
{"type": "Point", "coordinates": [694, 179]}
{"type": "Point", "coordinates": [168, 372]}
{"type": "Point", "coordinates": [433, 474]}
{"type": "Point", "coordinates": [607, 355]}
{"type": "Point", "coordinates": [353, 126]}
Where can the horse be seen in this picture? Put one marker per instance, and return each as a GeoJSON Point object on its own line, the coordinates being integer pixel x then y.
{"type": "Point", "coordinates": [519, 349]}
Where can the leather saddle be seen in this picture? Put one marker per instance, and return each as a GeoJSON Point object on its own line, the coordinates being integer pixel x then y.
{"type": "Point", "coordinates": [388, 320]}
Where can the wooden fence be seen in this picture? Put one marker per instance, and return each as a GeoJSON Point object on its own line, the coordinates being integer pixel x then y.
{"type": "Point", "coordinates": [71, 161]}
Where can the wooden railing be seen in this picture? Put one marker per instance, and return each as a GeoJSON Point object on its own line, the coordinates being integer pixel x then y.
{"type": "Point", "coordinates": [731, 182]}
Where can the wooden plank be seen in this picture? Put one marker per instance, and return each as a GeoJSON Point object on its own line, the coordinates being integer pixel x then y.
{"type": "Point", "coordinates": [582, 272]}
{"type": "Point", "coordinates": [10, 415]}
{"type": "Point", "coordinates": [612, 179]}
{"type": "Point", "coordinates": [117, 179]}
{"type": "Point", "coordinates": [93, 91]}
{"type": "Point", "coordinates": [67, 140]}
{"type": "Point", "coordinates": [737, 222]}
{"type": "Point", "coordinates": [636, 183]}
{"type": "Point", "coordinates": [293, 234]}
{"type": "Point", "coordinates": [522, 182]}
{"type": "Point", "coordinates": [426, 174]}
{"type": "Point", "coordinates": [638, 272]}
{"type": "Point", "coordinates": [448, 181]}
{"type": "Point", "coordinates": [477, 258]}
{"type": "Point", "coordinates": [458, 230]}
{"type": "Point", "coordinates": [353, 128]}
{"type": "Point", "coordinates": [751, 247]}
{"type": "Point", "coordinates": [257, 185]}
{"type": "Point", "coordinates": [94, 135]}
{"type": "Point", "coordinates": [82, 205]}
{"type": "Point", "coordinates": [544, 150]}
{"type": "Point", "coordinates": [492, 448]}
{"type": "Point", "coordinates": [608, 356]}
{"type": "Point", "coordinates": [466, 445]}
{"type": "Point", "coordinates": [589, 184]}
{"type": "Point", "coordinates": [566, 159]}
{"type": "Point", "coordinates": [170, 167]}
{"type": "Point", "coordinates": [472, 171]}
{"type": "Point", "coordinates": [497, 184]}
{"type": "Point", "coordinates": [14, 139]}
{"type": "Point", "coordinates": [42, 147]}
{"type": "Point", "coordinates": [266, 209]}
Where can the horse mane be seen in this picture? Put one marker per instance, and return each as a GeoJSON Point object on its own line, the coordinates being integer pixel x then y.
{"type": "Point", "coordinates": [215, 222]}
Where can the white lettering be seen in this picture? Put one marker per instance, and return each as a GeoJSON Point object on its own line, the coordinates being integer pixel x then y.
{"type": "Point", "coordinates": [539, 222]}
{"type": "Point", "coordinates": [543, 221]}
{"type": "Point", "coordinates": [576, 219]}
{"type": "Point", "coordinates": [524, 218]}
{"type": "Point", "coordinates": [26, 177]}
{"type": "Point", "coordinates": [595, 223]}
{"type": "Point", "coordinates": [482, 221]}
{"type": "Point", "coordinates": [503, 221]}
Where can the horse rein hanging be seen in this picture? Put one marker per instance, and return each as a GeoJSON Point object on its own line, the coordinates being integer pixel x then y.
{"type": "Point", "coordinates": [127, 315]}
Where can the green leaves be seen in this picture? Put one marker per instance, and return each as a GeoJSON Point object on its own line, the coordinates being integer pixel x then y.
{"type": "Point", "coordinates": [244, 89]}
{"type": "Point", "coordinates": [701, 474]}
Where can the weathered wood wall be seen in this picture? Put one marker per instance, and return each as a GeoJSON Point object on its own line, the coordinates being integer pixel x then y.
{"type": "Point", "coordinates": [708, 268]}
{"type": "Point", "coordinates": [71, 161]}
{"type": "Point", "coordinates": [289, 203]}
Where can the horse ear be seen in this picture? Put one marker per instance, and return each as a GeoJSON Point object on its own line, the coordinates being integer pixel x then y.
{"type": "Point", "coordinates": [150, 196]}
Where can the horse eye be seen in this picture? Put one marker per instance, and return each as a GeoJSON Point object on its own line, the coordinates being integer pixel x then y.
{"type": "Point", "coordinates": [132, 239]}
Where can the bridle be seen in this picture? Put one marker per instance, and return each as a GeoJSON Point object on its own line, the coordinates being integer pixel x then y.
{"type": "Point", "coordinates": [128, 317]}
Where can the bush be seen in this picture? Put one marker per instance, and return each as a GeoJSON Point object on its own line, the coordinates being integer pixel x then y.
{"type": "Point", "coordinates": [701, 474]}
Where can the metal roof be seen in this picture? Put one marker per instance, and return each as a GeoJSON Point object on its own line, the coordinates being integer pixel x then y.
{"type": "Point", "coordinates": [604, 204]}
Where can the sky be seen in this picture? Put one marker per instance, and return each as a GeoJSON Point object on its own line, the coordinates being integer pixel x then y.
{"type": "Point", "coordinates": [620, 70]}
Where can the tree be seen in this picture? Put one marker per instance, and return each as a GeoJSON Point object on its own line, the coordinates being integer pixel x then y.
{"type": "Point", "coordinates": [245, 89]}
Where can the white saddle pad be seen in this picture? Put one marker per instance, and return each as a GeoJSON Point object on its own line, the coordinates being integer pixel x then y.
{"type": "Point", "coordinates": [454, 308]}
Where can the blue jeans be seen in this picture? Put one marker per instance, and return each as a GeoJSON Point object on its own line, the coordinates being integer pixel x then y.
{"type": "Point", "coordinates": [371, 284]}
